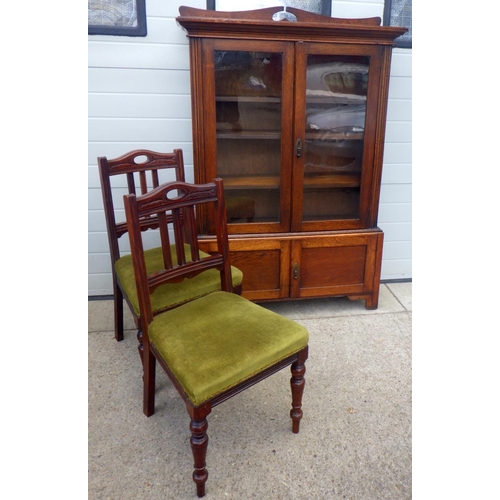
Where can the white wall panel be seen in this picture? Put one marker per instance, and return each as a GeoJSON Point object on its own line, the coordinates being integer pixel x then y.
{"type": "Point", "coordinates": [394, 212]}
{"type": "Point", "coordinates": [395, 193]}
{"type": "Point", "coordinates": [399, 110]}
{"type": "Point", "coordinates": [138, 55]}
{"type": "Point", "coordinates": [139, 81]}
{"type": "Point", "coordinates": [396, 174]}
{"type": "Point", "coordinates": [100, 263]}
{"type": "Point", "coordinates": [395, 250]}
{"type": "Point", "coordinates": [99, 283]}
{"type": "Point", "coordinates": [396, 231]}
{"type": "Point", "coordinates": [95, 199]}
{"type": "Point", "coordinates": [395, 152]}
{"type": "Point", "coordinates": [139, 129]}
{"type": "Point", "coordinates": [396, 269]}
{"type": "Point", "coordinates": [97, 223]}
{"type": "Point", "coordinates": [98, 241]}
{"type": "Point", "coordinates": [398, 131]}
{"type": "Point", "coordinates": [139, 97]}
{"type": "Point", "coordinates": [400, 87]}
{"type": "Point", "coordinates": [401, 64]}
{"type": "Point", "coordinates": [139, 106]}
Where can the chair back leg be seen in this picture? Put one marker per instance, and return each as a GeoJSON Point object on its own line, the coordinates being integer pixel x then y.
{"type": "Point", "coordinates": [118, 306]}
{"type": "Point", "coordinates": [149, 381]}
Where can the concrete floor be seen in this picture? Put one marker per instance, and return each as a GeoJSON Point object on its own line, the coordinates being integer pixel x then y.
{"type": "Point", "coordinates": [355, 436]}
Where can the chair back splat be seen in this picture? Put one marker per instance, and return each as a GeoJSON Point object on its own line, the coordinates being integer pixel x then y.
{"type": "Point", "coordinates": [219, 344]}
{"type": "Point", "coordinates": [136, 166]}
{"type": "Point", "coordinates": [173, 204]}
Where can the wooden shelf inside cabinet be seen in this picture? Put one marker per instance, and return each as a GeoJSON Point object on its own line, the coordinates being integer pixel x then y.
{"type": "Point", "coordinates": [310, 182]}
{"type": "Point", "coordinates": [241, 98]}
{"type": "Point", "coordinates": [252, 182]}
{"type": "Point", "coordinates": [249, 134]}
{"type": "Point", "coordinates": [331, 98]}
{"type": "Point", "coordinates": [332, 181]}
{"type": "Point", "coordinates": [328, 135]}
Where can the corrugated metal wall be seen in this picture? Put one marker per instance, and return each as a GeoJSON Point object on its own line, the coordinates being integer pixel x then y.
{"type": "Point", "coordinates": [139, 97]}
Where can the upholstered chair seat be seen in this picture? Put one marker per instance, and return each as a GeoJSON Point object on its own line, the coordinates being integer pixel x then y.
{"type": "Point", "coordinates": [220, 340]}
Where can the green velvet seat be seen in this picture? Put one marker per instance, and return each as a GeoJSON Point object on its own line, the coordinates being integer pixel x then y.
{"type": "Point", "coordinates": [218, 341]}
{"type": "Point", "coordinates": [169, 295]}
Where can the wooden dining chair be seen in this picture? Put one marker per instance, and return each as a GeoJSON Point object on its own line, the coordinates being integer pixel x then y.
{"type": "Point", "coordinates": [137, 172]}
{"type": "Point", "coordinates": [218, 345]}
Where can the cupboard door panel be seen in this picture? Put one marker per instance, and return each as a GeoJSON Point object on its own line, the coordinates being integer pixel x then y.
{"type": "Point", "coordinates": [344, 264]}
{"type": "Point", "coordinates": [264, 263]}
{"type": "Point", "coordinates": [317, 269]}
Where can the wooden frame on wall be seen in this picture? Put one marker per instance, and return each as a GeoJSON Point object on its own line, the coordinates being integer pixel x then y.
{"type": "Point", "coordinates": [324, 7]}
{"type": "Point", "coordinates": [117, 17]}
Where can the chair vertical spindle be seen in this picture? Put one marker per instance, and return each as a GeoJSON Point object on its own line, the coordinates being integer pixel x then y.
{"type": "Point", "coordinates": [144, 182]}
{"type": "Point", "coordinates": [131, 182]}
{"type": "Point", "coordinates": [154, 175]}
{"type": "Point", "coordinates": [222, 238]}
{"type": "Point", "coordinates": [190, 223]}
{"type": "Point", "coordinates": [177, 219]}
{"type": "Point", "coordinates": [165, 240]}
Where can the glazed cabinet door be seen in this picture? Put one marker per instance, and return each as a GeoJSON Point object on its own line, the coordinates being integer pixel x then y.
{"type": "Point", "coordinates": [334, 134]}
{"type": "Point", "coordinates": [247, 113]}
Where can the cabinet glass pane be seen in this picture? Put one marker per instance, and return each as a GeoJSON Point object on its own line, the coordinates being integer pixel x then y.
{"type": "Point", "coordinates": [336, 90]}
{"type": "Point", "coordinates": [248, 117]}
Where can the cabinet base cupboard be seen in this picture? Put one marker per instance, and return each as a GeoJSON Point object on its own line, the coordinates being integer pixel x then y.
{"type": "Point", "coordinates": [291, 115]}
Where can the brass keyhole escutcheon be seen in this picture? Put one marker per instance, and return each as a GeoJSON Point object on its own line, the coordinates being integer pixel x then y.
{"type": "Point", "coordinates": [296, 271]}
{"type": "Point", "coordinates": [299, 148]}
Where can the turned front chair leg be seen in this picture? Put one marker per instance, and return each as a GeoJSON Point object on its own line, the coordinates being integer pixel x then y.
{"type": "Point", "coordinates": [297, 383]}
{"type": "Point", "coordinates": [199, 444]}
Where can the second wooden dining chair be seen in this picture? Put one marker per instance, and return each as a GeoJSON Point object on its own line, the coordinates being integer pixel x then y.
{"type": "Point", "coordinates": [214, 347]}
{"type": "Point", "coordinates": [138, 172]}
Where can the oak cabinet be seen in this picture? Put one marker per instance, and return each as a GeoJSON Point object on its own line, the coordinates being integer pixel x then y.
{"type": "Point", "coordinates": [291, 115]}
